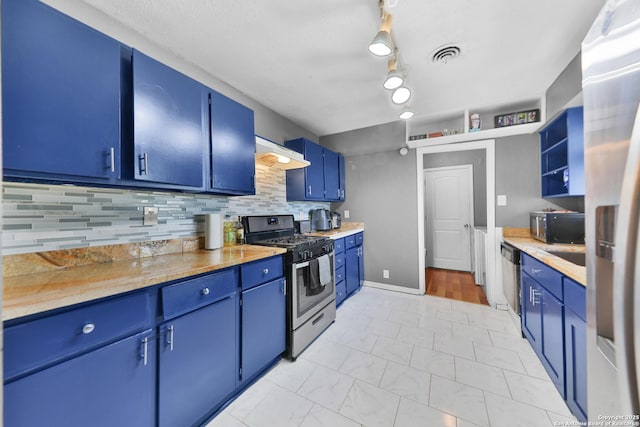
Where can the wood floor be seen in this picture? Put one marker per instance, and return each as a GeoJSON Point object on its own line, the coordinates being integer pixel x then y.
{"type": "Point", "coordinates": [458, 285]}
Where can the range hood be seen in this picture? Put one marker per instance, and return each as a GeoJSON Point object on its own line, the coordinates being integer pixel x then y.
{"type": "Point", "coordinates": [275, 155]}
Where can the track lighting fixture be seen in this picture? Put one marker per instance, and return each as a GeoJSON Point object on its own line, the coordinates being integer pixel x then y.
{"type": "Point", "coordinates": [406, 114]}
{"type": "Point", "coordinates": [395, 78]}
{"type": "Point", "coordinates": [401, 95]}
{"type": "Point", "coordinates": [382, 45]}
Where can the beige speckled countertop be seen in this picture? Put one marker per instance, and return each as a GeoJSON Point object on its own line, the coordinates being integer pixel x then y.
{"type": "Point", "coordinates": [38, 292]}
{"type": "Point", "coordinates": [346, 229]}
{"type": "Point", "coordinates": [539, 250]}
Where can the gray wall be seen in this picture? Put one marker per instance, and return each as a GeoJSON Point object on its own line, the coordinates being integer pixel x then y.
{"type": "Point", "coordinates": [477, 158]}
{"type": "Point", "coordinates": [381, 192]}
{"type": "Point", "coordinates": [565, 88]}
{"type": "Point", "coordinates": [518, 177]}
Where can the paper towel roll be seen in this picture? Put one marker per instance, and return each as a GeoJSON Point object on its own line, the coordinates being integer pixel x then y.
{"type": "Point", "coordinates": [213, 231]}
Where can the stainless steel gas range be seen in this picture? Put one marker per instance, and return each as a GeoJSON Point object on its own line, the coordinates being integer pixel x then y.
{"type": "Point", "coordinates": [311, 305]}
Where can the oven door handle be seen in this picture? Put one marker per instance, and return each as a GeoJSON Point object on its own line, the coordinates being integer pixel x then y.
{"type": "Point", "coordinates": [302, 265]}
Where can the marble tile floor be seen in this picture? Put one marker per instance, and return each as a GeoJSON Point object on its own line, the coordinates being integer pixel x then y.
{"type": "Point", "coordinates": [401, 360]}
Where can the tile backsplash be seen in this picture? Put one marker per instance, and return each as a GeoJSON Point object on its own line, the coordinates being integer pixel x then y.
{"type": "Point", "coordinates": [40, 217]}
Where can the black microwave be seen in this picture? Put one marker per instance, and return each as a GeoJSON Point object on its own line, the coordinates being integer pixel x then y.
{"type": "Point", "coordinates": [557, 227]}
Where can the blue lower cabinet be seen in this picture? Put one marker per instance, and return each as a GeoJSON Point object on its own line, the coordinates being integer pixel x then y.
{"type": "Point", "coordinates": [352, 270]}
{"type": "Point", "coordinates": [552, 350]}
{"type": "Point", "coordinates": [197, 363]}
{"type": "Point", "coordinates": [341, 292]}
{"type": "Point", "coordinates": [531, 311]}
{"type": "Point", "coordinates": [263, 323]}
{"type": "Point", "coordinates": [576, 364]}
{"type": "Point", "coordinates": [111, 386]}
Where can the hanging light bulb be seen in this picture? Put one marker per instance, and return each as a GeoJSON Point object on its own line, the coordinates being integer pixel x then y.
{"type": "Point", "coordinates": [382, 45]}
{"type": "Point", "coordinates": [401, 95]}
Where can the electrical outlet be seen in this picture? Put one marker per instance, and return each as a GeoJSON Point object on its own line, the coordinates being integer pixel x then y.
{"type": "Point", "coordinates": [346, 214]}
{"type": "Point", "coordinates": [149, 215]}
{"type": "Point", "coordinates": [502, 200]}
{"type": "Point", "coordinates": [385, 274]}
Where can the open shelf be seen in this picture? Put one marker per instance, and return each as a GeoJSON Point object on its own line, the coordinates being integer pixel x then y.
{"type": "Point", "coordinates": [454, 127]}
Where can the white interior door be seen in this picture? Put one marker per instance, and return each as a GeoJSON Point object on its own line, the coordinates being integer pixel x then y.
{"type": "Point", "coordinates": [449, 217]}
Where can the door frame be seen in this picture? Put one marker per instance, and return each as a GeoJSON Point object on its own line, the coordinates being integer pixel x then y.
{"type": "Point", "coordinates": [493, 291]}
{"type": "Point", "coordinates": [469, 169]}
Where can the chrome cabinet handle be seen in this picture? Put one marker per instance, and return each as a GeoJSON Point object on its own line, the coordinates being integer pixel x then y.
{"type": "Point", "coordinates": [88, 328]}
{"type": "Point", "coordinates": [284, 287]}
{"type": "Point", "coordinates": [145, 348]}
{"type": "Point", "coordinates": [534, 271]}
{"type": "Point", "coordinates": [265, 271]}
{"type": "Point", "coordinates": [112, 154]}
{"type": "Point", "coordinates": [205, 291]}
{"type": "Point", "coordinates": [170, 340]}
{"type": "Point", "coordinates": [145, 164]}
{"type": "Point", "coordinates": [309, 190]}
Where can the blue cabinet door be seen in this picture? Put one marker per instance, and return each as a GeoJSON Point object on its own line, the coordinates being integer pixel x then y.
{"type": "Point", "coordinates": [232, 147]}
{"type": "Point", "coordinates": [342, 180]}
{"type": "Point", "coordinates": [306, 183]}
{"type": "Point", "coordinates": [263, 326]}
{"type": "Point", "coordinates": [197, 363]}
{"type": "Point", "coordinates": [169, 140]}
{"type": "Point", "coordinates": [576, 364]}
{"type": "Point", "coordinates": [531, 311]}
{"type": "Point", "coordinates": [111, 386]}
{"type": "Point", "coordinates": [552, 350]}
{"type": "Point", "coordinates": [60, 95]}
{"type": "Point", "coordinates": [331, 175]}
{"type": "Point", "coordinates": [314, 173]}
{"type": "Point", "coordinates": [360, 265]}
{"type": "Point", "coordinates": [352, 270]}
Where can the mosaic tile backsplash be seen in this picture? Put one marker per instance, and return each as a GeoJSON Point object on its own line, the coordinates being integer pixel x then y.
{"type": "Point", "coordinates": [40, 218]}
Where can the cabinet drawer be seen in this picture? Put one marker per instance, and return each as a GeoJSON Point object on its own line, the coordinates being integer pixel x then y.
{"type": "Point", "coordinates": [359, 239]}
{"type": "Point", "coordinates": [575, 297]}
{"type": "Point", "coordinates": [261, 271]}
{"type": "Point", "coordinates": [339, 260]}
{"type": "Point", "coordinates": [188, 295]}
{"type": "Point", "coordinates": [43, 341]}
{"type": "Point", "coordinates": [350, 241]}
{"type": "Point", "coordinates": [543, 274]}
{"type": "Point", "coordinates": [339, 274]}
{"type": "Point", "coordinates": [338, 245]}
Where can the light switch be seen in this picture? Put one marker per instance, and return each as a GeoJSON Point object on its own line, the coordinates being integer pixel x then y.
{"type": "Point", "coordinates": [502, 200]}
{"type": "Point", "coordinates": [149, 215]}
{"type": "Point", "coordinates": [346, 214]}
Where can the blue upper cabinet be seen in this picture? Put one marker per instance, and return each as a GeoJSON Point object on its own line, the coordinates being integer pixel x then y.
{"type": "Point", "coordinates": [342, 180]}
{"type": "Point", "coordinates": [319, 181]}
{"type": "Point", "coordinates": [60, 96]}
{"type": "Point", "coordinates": [562, 155]}
{"type": "Point", "coordinates": [168, 135]}
{"type": "Point", "coordinates": [233, 147]}
{"type": "Point", "coordinates": [331, 175]}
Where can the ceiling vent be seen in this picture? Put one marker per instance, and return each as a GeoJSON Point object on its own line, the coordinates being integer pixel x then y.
{"type": "Point", "coordinates": [445, 54]}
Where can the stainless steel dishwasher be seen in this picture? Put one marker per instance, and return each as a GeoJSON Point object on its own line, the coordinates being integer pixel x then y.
{"type": "Point", "coordinates": [511, 275]}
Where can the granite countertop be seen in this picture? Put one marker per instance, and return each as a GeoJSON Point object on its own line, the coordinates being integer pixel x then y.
{"type": "Point", "coordinates": [33, 293]}
{"type": "Point", "coordinates": [540, 251]}
{"type": "Point", "coordinates": [346, 229]}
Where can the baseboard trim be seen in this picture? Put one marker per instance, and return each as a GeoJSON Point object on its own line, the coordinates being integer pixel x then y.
{"type": "Point", "coordinates": [394, 288]}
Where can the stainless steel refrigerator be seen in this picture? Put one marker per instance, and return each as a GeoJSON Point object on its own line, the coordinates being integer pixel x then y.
{"type": "Point", "coordinates": [611, 90]}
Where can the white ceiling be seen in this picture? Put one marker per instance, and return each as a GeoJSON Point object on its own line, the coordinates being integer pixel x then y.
{"type": "Point", "coordinates": [308, 60]}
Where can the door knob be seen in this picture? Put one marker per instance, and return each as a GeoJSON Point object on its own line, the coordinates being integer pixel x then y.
{"type": "Point", "coordinates": [466, 226]}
